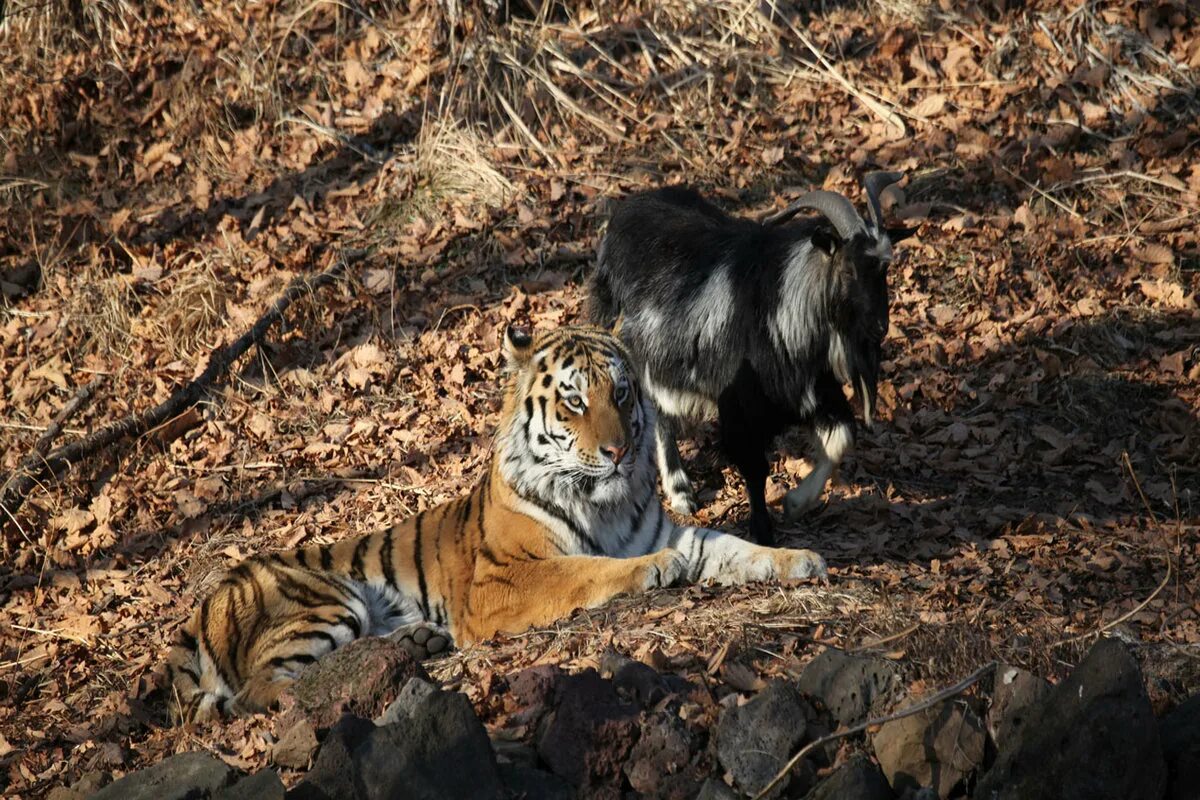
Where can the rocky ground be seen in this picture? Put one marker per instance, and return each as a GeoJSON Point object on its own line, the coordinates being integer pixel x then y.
{"type": "Point", "coordinates": [1030, 485]}
{"type": "Point", "coordinates": [368, 723]}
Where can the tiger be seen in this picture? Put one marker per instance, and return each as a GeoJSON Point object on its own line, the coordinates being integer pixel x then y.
{"type": "Point", "coordinates": [566, 515]}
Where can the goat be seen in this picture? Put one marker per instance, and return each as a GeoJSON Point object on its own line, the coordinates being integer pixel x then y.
{"type": "Point", "coordinates": [757, 323]}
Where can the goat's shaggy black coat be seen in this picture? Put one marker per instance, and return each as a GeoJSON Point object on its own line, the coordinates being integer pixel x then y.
{"type": "Point", "coordinates": [761, 324]}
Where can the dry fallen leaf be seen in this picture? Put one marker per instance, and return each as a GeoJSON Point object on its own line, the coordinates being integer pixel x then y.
{"type": "Point", "coordinates": [930, 106]}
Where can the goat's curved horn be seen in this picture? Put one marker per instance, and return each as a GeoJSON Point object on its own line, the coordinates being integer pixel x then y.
{"type": "Point", "coordinates": [875, 183]}
{"type": "Point", "coordinates": [835, 207]}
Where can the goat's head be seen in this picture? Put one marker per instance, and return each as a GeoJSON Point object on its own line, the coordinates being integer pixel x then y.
{"type": "Point", "coordinates": [859, 253]}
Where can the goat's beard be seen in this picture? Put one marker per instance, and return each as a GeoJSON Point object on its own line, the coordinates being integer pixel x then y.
{"type": "Point", "coordinates": [864, 376]}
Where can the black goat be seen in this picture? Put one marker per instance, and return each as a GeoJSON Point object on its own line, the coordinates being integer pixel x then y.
{"type": "Point", "coordinates": [759, 323]}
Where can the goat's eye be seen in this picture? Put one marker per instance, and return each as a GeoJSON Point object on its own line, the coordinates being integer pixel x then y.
{"type": "Point", "coordinates": [575, 403]}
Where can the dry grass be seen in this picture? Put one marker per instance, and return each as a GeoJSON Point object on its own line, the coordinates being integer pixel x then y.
{"type": "Point", "coordinates": [191, 310]}
{"type": "Point", "coordinates": [451, 163]}
{"type": "Point", "coordinates": [63, 25]}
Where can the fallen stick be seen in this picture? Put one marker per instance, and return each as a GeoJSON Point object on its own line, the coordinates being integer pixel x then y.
{"type": "Point", "coordinates": [42, 446]}
{"type": "Point", "coordinates": [53, 465]}
{"type": "Point", "coordinates": [928, 702]}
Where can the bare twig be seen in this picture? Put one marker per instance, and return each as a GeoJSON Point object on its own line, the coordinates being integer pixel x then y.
{"type": "Point", "coordinates": [883, 112]}
{"type": "Point", "coordinates": [33, 462]}
{"type": "Point", "coordinates": [54, 464]}
{"type": "Point", "coordinates": [891, 638]}
{"type": "Point", "coordinates": [1051, 198]}
{"type": "Point", "coordinates": [1166, 578]}
{"type": "Point", "coordinates": [1110, 625]}
{"type": "Point", "coordinates": [928, 702]}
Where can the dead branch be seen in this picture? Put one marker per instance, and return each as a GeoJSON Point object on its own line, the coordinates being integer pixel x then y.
{"type": "Point", "coordinates": [42, 446]}
{"type": "Point", "coordinates": [38, 468]}
{"type": "Point", "coordinates": [928, 702]}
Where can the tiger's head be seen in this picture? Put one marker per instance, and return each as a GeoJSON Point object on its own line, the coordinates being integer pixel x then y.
{"type": "Point", "coordinates": [575, 421]}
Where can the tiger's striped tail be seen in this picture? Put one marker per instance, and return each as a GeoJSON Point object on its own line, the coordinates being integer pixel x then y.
{"type": "Point", "coordinates": [190, 702]}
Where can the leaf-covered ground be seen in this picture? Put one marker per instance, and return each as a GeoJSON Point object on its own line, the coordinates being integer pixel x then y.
{"type": "Point", "coordinates": [166, 168]}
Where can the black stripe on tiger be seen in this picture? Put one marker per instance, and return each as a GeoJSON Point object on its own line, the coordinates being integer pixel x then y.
{"type": "Point", "coordinates": [314, 635]}
{"type": "Point", "coordinates": [298, 658]}
{"type": "Point", "coordinates": [385, 557]}
{"type": "Point", "coordinates": [419, 565]}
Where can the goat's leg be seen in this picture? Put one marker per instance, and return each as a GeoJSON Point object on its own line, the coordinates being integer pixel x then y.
{"type": "Point", "coordinates": [676, 484]}
{"type": "Point", "coordinates": [744, 444]}
{"type": "Point", "coordinates": [833, 435]}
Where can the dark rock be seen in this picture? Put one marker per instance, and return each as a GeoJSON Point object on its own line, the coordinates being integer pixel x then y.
{"type": "Point", "coordinates": [660, 764]}
{"type": "Point", "coordinates": [264, 785]}
{"type": "Point", "coordinates": [756, 740]}
{"type": "Point", "coordinates": [1017, 696]}
{"type": "Point", "coordinates": [857, 779]}
{"type": "Point", "coordinates": [183, 777]}
{"type": "Point", "coordinates": [714, 789]}
{"type": "Point", "coordinates": [938, 748]}
{"type": "Point", "coordinates": [533, 691]}
{"type": "Point", "coordinates": [410, 697]}
{"type": "Point", "coordinates": [361, 678]}
{"type": "Point", "coordinates": [20, 281]}
{"type": "Point", "coordinates": [526, 783]}
{"type": "Point", "coordinates": [440, 750]}
{"type": "Point", "coordinates": [536, 684]}
{"type": "Point", "coordinates": [849, 686]}
{"type": "Point", "coordinates": [512, 751]}
{"type": "Point", "coordinates": [333, 774]}
{"type": "Point", "coordinates": [296, 746]}
{"type": "Point", "coordinates": [640, 682]}
{"type": "Point", "coordinates": [1180, 732]}
{"type": "Point", "coordinates": [83, 788]}
{"type": "Point", "coordinates": [922, 793]}
{"type": "Point", "coordinates": [591, 732]}
{"type": "Point", "coordinates": [1095, 738]}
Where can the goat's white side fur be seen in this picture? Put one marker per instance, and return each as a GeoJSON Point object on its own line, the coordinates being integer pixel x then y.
{"type": "Point", "coordinates": [793, 325]}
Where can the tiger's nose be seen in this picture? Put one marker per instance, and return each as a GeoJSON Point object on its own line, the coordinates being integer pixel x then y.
{"type": "Point", "coordinates": [615, 452]}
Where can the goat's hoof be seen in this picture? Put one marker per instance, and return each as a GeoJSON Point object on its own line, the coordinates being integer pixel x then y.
{"type": "Point", "coordinates": [798, 502]}
{"type": "Point", "coordinates": [685, 504]}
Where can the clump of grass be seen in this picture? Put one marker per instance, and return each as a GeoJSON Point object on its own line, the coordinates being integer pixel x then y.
{"type": "Point", "coordinates": [915, 12]}
{"type": "Point", "coordinates": [52, 26]}
{"type": "Point", "coordinates": [190, 311]}
{"type": "Point", "coordinates": [105, 308]}
{"type": "Point", "coordinates": [450, 162]}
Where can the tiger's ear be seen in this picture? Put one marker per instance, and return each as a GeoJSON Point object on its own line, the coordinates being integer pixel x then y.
{"type": "Point", "coordinates": [517, 346]}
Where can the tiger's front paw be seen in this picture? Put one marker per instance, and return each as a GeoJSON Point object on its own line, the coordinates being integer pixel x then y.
{"type": "Point", "coordinates": [664, 568]}
{"type": "Point", "coordinates": [422, 640]}
{"type": "Point", "coordinates": [799, 564]}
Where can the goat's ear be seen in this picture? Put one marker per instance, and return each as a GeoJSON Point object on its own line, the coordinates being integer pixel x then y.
{"type": "Point", "coordinates": [900, 234]}
{"type": "Point", "coordinates": [517, 346]}
{"type": "Point", "coordinates": [828, 243]}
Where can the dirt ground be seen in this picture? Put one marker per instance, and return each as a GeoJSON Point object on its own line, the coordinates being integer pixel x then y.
{"type": "Point", "coordinates": [166, 168]}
